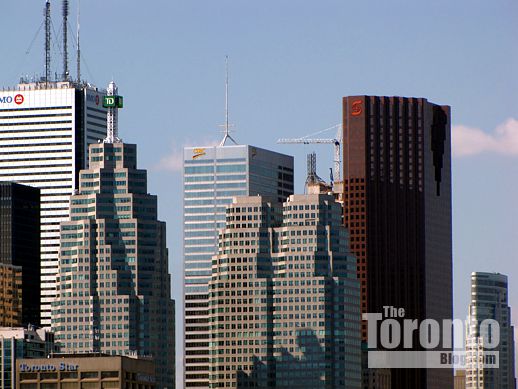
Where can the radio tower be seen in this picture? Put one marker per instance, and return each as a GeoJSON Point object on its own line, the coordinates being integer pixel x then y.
{"type": "Point", "coordinates": [47, 42]}
{"type": "Point", "coordinates": [65, 40]}
{"type": "Point", "coordinates": [78, 46]}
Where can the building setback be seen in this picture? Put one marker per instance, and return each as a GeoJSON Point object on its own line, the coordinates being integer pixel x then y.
{"type": "Point", "coordinates": [114, 288]}
{"type": "Point", "coordinates": [45, 130]}
{"type": "Point", "coordinates": [212, 177]}
{"type": "Point", "coordinates": [397, 208]}
{"type": "Point", "coordinates": [489, 301]}
{"type": "Point", "coordinates": [19, 254]}
{"type": "Point", "coordinates": [284, 307]}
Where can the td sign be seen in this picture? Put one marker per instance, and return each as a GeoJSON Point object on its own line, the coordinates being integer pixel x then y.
{"type": "Point", "coordinates": [113, 102]}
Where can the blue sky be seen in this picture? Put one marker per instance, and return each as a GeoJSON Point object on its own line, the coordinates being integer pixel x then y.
{"type": "Point", "coordinates": [291, 62]}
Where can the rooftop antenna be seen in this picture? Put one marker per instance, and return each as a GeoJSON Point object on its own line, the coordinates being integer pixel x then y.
{"type": "Point", "coordinates": [65, 40]}
{"type": "Point", "coordinates": [226, 126]}
{"type": "Point", "coordinates": [78, 46]}
{"type": "Point", "coordinates": [47, 42]}
{"type": "Point", "coordinates": [113, 102]}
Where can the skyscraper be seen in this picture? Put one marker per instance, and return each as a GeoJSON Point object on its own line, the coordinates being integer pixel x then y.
{"type": "Point", "coordinates": [212, 177]}
{"type": "Point", "coordinates": [45, 130]}
{"type": "Point", "coordinates": [284, 306]}
{"type": "Point", "coordinates": [20, 342]}
{"type": "Point", "coordinates": [397, 207]}
{"type": "Point", "coordinates": [10, 295]}
{"type": "Point", "coordinates": [20, 251]}
{"type": "Point", "coordinates": [489, 300]}
{"type": "Point", "coordinates": [114, 288]}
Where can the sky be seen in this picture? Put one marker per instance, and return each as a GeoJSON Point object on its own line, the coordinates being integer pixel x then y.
{"type": "Point", "coordinates": [290, 64]}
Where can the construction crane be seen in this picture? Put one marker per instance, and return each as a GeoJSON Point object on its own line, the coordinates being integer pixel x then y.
{"type": "Point", "coordinates": [336, 141]}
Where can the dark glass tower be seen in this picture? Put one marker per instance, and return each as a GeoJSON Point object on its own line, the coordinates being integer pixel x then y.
{"type": "Point", "coordinates": [20, 244]}
{"type": "Point", "coordinates": [397, 207]}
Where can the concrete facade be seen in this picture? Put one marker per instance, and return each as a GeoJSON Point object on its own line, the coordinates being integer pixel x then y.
{"type": "Point", "coordinates": [114, 289]}
{"type": "Point", "coordinates": [45, 130]}
{"type": "Point", "coordinates": [86, 372]}
{"type": "Point", "coordinates": [284, 307]}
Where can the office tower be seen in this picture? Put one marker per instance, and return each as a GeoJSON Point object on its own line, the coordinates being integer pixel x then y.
{"type": "Point", "coordinates": [489, 300]}
{"type": "Point", "coordinates": [22, 342]}
{"type": "Point", "coordinates": [459, 379]}
{"type": "Point", "coordinates": [20, 249]}
{"type": "Point", "coordinates": [212, 177]}
{"type": "Point", "coordinates": [10, 295]}
{"type": "Point", "coordinates": [397, 208]}
{"type": "Point", "coordinates": [284, 305]}
{"type": "Point", "coordinates": [45, 130]}
{"type": "Point", "coordinates": [114, 288]}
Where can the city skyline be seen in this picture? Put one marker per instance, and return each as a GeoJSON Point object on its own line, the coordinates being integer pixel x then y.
{"type": "Point", "coordinates": [480, 88]}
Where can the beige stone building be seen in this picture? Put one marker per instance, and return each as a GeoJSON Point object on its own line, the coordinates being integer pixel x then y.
{"type": "Point", "coordinates": [85, 371]}
{"type": "Point", "coordinates": [114, 287]}
{"type": "Point", "coordinates": [284, 298]}
{"type": "Point", "coordinates": [460, 379]}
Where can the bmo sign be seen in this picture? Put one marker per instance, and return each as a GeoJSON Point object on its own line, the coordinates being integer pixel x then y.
{"type": "Point", "coordinates": [18, 99]}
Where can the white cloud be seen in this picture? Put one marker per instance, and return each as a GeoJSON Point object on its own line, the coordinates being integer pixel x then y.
{"type": "Point", "coordinates": [173, 162]}
{"type": "Point", "coordinates": [472, 141]}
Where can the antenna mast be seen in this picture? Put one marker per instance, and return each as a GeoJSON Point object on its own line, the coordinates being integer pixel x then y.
{"type": "Point", "coordinates": [47, 42]}
{"type": "Point", "coordinates": [226, 95]}
{"type": "Point", "coordinates": [78, 46]}
{"type": "Point", "coordinates": [226, 126]}
{"type": "Point", "coordinates": [65, 40]}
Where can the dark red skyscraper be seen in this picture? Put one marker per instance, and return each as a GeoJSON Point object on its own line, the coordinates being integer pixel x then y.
{"type": "Point", "coordinates": [397, 207]}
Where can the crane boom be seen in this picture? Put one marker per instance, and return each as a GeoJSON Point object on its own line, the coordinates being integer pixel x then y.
{"type": "Point", "coordinates": [305, 140]}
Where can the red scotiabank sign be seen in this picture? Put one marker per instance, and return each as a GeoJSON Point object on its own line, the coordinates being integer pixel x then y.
{"type": "Point", "coordinates": [357, 107]}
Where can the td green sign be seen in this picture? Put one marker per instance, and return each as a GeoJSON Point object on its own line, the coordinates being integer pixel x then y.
{"type": "Point", "coordinates": [113, 102]}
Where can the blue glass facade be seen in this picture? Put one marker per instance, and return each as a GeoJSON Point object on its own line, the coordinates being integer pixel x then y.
{"type": "Point", "coordinates": [213, 176]}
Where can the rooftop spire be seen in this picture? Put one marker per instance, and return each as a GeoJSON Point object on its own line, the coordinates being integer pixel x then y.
{"type": "Point", "coordinates": [226, 126]}
{"type": "Point", "coordinates": [113, 102]}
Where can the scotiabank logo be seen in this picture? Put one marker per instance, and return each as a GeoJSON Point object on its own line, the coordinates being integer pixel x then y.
{"type": "Point", "coordinates": [18, 99]}
{"type": "Point", "coordinates": [357, 107]}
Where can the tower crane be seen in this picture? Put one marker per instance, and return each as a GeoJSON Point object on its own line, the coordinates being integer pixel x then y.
{"type": "Point", "coordinates": [336, 141]}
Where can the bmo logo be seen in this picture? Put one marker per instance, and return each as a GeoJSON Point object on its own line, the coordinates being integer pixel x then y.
{"type": "Point", "coordinates": [92, 99]}
{"type": "Point", "coordinates": [18, 99]}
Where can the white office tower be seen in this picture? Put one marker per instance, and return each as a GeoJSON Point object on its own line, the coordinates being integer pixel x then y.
{"type": "Point", "coordinates": [45, 130]}
{"type": "Point", "coordinates": [489, 302]}
{"type": "Point", "coordinates": [213, 176]}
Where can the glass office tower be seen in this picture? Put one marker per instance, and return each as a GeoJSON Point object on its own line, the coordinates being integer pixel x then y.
{"type": "Point", "coordinates": [213, 176]}
{"type": "Point", "coordinates": [489, 301]}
